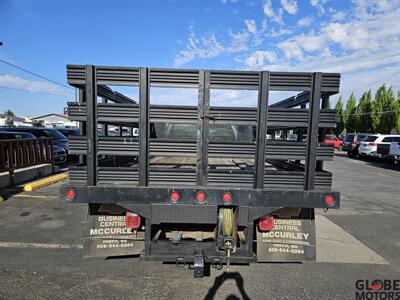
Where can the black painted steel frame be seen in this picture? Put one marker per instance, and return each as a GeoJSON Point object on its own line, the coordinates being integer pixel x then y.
{"type": "Point", "coordinates": [92, 82]}
{"type": "Point", "coordinates": [315, 86]}
{"type": "Point", "coordinates": [312, 83]}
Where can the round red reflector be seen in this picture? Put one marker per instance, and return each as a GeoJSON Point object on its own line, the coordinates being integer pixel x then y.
{"type": "Point", "coordinates": [70, 194]}
{"type": "Point", "coordinates": [329, 200]}
{"type": "Point", "coordinates": [200, 196]}
{"type": "Point", "coordinates": [174, 196]}
{"type": "Point", "coordinates": [227, 197]}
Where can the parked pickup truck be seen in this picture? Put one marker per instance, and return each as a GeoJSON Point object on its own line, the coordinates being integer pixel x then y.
{"type": "Point", "coordinates": [331, 139]}
{"type": "Point", "coordinates": [394, 151]}
{"type": "Point", "coordinates": [390, 148]}
{"type": "Point", "coordinates": [200, 185]}
{"type": "Point", "coordinates": [383, 144]}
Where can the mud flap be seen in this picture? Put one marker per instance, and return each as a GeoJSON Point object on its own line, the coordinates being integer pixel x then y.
{"type": "Point", "coordinates": [292, 238]}
{"type": "Point", "coordinates": [107, 235]}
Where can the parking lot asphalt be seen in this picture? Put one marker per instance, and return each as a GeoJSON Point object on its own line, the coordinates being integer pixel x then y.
{"type": "Point", "coordinates": [40, 250]}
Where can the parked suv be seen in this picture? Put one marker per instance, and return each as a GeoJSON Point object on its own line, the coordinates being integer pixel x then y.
{"type": "Point", "coordinates": [11, 135]}
{"type": "Point", "coordinates": [58, 138]}
{"type": "Point", "coordinates": [352, 142]}
{"type": "Point", "coordinates": [369, 145]}
{"type": "Point", "coordinates": [69, 131]}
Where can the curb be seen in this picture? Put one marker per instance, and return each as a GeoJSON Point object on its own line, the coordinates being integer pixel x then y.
{"type": "Point", "coordinates": [34, 185]}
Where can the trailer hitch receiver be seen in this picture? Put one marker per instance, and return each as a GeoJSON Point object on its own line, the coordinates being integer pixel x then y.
{"type": "Point", "coordinates": [198, 266]}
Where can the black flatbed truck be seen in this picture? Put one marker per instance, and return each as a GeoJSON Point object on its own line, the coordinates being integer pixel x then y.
{"type": "Point", "coordinates": [206, 197]}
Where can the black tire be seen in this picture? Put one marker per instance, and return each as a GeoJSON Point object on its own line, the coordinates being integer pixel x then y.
{"type": "Point", "coordinates": [396, 162]}
{"type": "Point", "coordinates": [351, 154]}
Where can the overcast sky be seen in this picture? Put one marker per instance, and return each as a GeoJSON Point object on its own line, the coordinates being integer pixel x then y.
{"type": "Point", "coordinates": [360, 39]}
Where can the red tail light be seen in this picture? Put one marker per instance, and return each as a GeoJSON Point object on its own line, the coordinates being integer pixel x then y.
{"type": "Point", "coordinates": [266, 223]}
{"type": "Point", "coordinates": [174, 196]}
{"type": "Point", "coordinates": [329, 200]}
{"type": "Point", "coordinates": [132, 220]}
{"type": "Point", "coordinates": [70, 194]}
{"type": "Point", "coordinates": [227, 197]}
{"type": "Point", "coordinates": [200, 196]}
{"type": "Point", "coordinates": [372, 144]}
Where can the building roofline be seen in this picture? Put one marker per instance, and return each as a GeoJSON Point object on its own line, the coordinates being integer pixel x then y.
{"type": "Point", "coordinates": [48, 115]}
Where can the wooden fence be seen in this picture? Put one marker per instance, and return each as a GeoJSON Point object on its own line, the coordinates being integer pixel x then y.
{"type": "Point", "coordinates": [22, 153]}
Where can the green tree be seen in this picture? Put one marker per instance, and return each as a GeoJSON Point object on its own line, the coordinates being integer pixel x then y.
{"type": "Point", "coordinates": [385, 108]}
{"type": "Point", "coordinates": [329, 106]}
{"type": "Point", "coordinates": [364, 113]}
{"type": "Point", "coordinates": [9, 113]}
{"type": "Point", "coordinates": [339, 112]}
{"type": "Point", "coordinates": [350, 114]}
{"type": "Point", "coordinates": [397, 125]}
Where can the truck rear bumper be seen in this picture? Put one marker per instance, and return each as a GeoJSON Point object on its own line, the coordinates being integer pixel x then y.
{"type": "Point", "coordinates": [161, 216]}
{"type": "Point", "coordinates": [187, 196]}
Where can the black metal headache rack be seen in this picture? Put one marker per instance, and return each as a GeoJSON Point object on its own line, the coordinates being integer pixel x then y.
{"type": "Point", "coordinates": [150, 158]}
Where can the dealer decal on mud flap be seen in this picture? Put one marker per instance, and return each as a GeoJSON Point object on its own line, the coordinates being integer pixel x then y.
{"type": "Point", "coordinates": [289, 240]}
{"type": "Point", "coordinates": [107, 235]}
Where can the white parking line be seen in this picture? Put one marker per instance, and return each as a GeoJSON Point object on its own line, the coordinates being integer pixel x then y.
{"type": "Point", "coordinates": [39, 245]}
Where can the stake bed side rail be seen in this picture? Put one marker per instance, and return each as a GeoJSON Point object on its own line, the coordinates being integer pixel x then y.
{"type": "Point", "coordinates": [305, 156]}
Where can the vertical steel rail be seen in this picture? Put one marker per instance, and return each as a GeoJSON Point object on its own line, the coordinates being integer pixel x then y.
{"type": "Point", "coordinates": [203, 127]}
{"type": "Point", "coordinates": [91, 124]}
{"type": "Point", "coordinates": [105, 126]}
{"type": "Point", "coordinates": [322, 131]}
{"type": "Point", "coordinates": [300, 133]}
{"type": "Point", "coordinates": [262, 111]}
{"type": "Point", "coordinates": [312, 132]}
{"type": "Point", "coordinates": [144, 126]}
{"type": "Point", "coordinates": [82, 124]}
